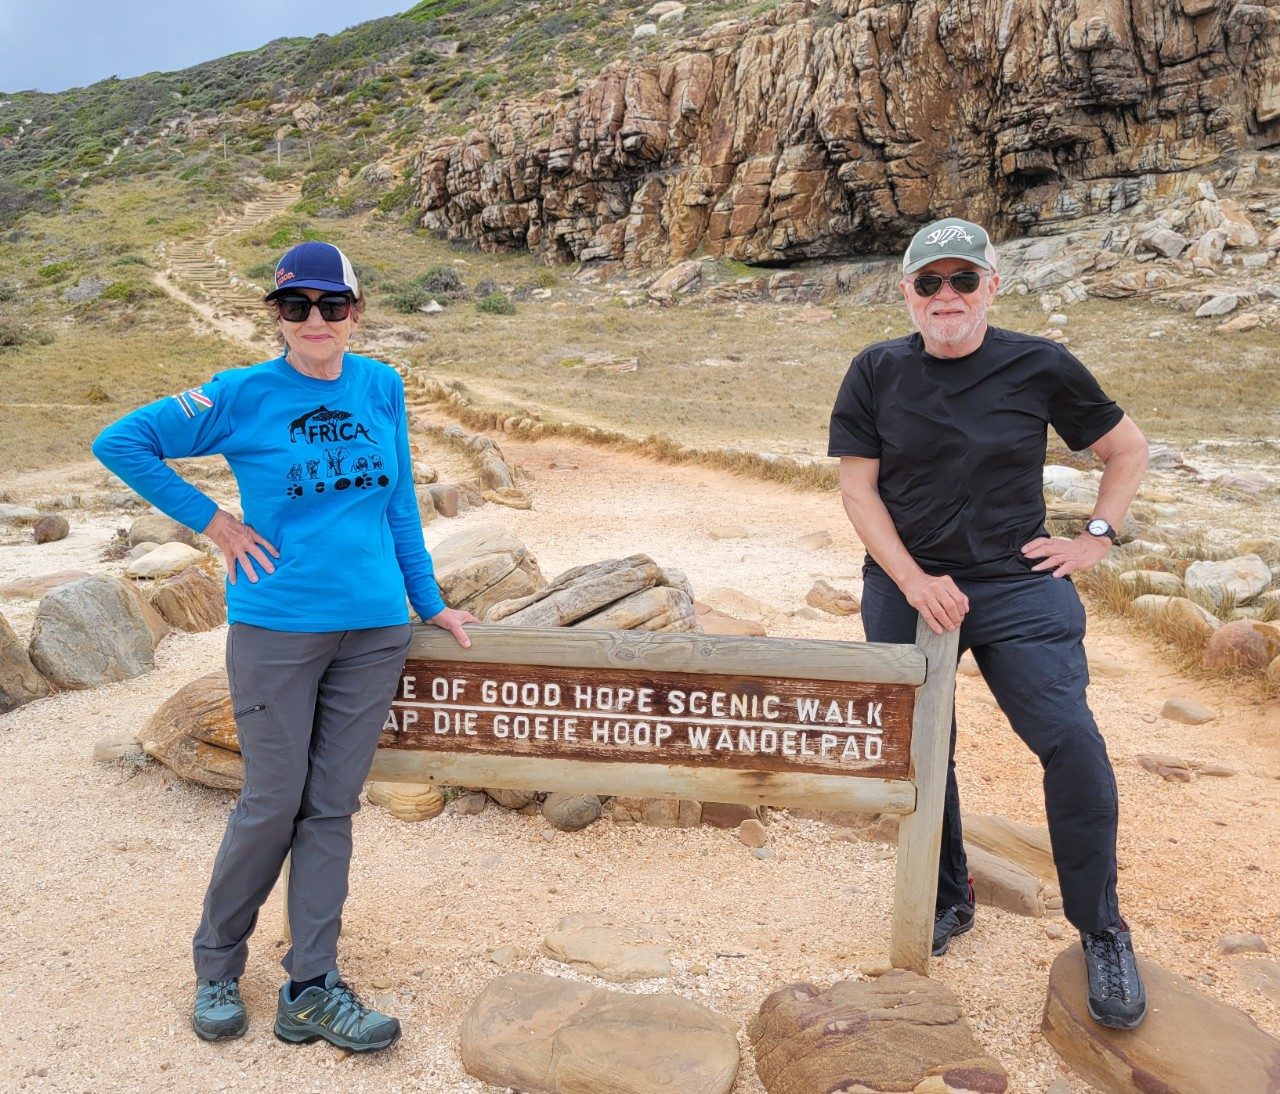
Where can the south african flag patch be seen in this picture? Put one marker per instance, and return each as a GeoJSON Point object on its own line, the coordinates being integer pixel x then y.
{"type": "Point", "coordinates": [194, 402]}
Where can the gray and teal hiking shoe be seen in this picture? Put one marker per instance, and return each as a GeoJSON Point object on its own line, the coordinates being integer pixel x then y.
{"type": "Point", "coordinates": [219, 1012]}
{"type": "Point", "coordinates": [335, 1013]}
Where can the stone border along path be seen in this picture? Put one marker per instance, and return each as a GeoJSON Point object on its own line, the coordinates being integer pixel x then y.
{"type": "Point", "coordinates": [230, 304]}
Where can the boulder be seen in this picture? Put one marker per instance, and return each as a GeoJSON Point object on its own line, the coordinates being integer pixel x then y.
{"type": "Point", "coordinates": [1176, 769]}
{"type": "Point", "coordinates": [730, 814]}
{"type": "Point", "coordinates": [445, 498]}
{"type": "Point", "coordinates": [1260, 974]}
{"type": "Point", "coordinates": [484, 566]}
{"type": "Point", "coordinates": [1027, 845]}
{"type": "Point", "coordinates": [1152, 581]}
{"type": "Point", "coordinates": [658, 608]}
{"type": "Point", "coordinates": [18, 514]}
{"type": "Point", "coordinates": [826, 597]}
{"type": "Point", "coordinates": [512, 799]}
{"type": "Point", "coordinates": [157, 528]}
{"type": "Point", "coordinates": [999, 883]}
{"type": "Point", "coordinates": [117, 747]}
{"type": "Point", "coordinates": [1243, 943]}
{"type": "Point", "coordinates": [19, 681]}
{"type": "Point", "coordinates": [1242, 645]}
{"type": "Point", "coordinates": [1189, 712]}
{"type": "Point", "coordinates": [50, 529]}
{"type": "Point", "coordinates": [155, 621]}
{"type": "Point", "coordinates": [1218, 305]}
{"type": "Point", "coordinates": [166, 560]}
{"type": "Point", "coordinates": [194, 734]}
{"type": "Point", "coordinates": [30, 587]}
{"type": "Point", "coordinates": [90, 632]}
{"type": "Point", "coordinates": [1176, 612]}
{"type": "Point", "coordinates": [1237, 579]}
{"type": "Point", "coordinates": [193, 600]}
{"type": "Point", "coordinates": [895, 1033]}
{"type": "Point", "coordinates": [713, 621]}
{"type": "Point", "coordinates": [407, 801]}
{"type": "Point", "coordinates": [578, 593]}
{"type": "Point", "coordinates": [571, 812]}
{"type": "Point", "coordinates": [658, 812]}
{"type": "Point", "coordinates": [551, 1036]}
{"type": "Point", "coordinates": [739, 605]}
{"type": "Point", "coordinates": [1188, 1043]}
{"type": "Point", "coordinates": [592, 944]}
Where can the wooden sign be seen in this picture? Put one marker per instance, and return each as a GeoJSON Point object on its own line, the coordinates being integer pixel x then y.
{"type": "Point", "coordinates": [834, 725]}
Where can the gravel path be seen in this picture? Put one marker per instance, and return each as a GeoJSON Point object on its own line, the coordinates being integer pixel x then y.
{"type": "Point", "coordinates": [104, 868]}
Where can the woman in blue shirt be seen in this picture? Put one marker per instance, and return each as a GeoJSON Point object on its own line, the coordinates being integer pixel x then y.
{"type": "Point", "coordinates": [317, 576]}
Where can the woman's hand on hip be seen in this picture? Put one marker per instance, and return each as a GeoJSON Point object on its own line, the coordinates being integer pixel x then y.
{"type": "Point", "coordinates": [452, 620]}
{"type": "Point", "coordinates": [240, 545]}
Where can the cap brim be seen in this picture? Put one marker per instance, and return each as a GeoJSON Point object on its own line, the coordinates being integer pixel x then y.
{"type": "Point", "coordinates": [920, 263]}
{"type": "Point", "coordinates": [302, 283]}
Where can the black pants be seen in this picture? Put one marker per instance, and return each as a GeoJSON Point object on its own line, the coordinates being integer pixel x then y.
{"type": "Point", "coordinates": [1027, 635]}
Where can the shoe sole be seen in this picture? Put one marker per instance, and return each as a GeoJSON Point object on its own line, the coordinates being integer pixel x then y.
{"type": "Point", "coordinates": [312, 1038]}
{"type": "Point", "coordinates": [228, 1036]}
{"type": "Point", "coordinates": [1114, 1022]}
{"type": "Point", "coordinates": [947, 944]}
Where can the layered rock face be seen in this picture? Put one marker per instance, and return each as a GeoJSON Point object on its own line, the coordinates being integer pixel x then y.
{"type": "Point", "coordinates": [832, 128]}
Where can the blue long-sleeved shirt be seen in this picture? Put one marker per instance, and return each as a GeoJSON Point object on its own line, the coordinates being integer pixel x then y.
{"type": "Point", "coordinates": [325, 475]}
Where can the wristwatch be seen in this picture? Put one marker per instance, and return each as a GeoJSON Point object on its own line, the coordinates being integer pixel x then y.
{"type": "Point", "coordinates": [1099, 527]}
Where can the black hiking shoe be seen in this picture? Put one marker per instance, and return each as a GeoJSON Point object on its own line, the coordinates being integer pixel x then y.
{"type": "Point", "coordinates": [1116, 995]}
{"type": "Point", "coordinates": [949, 922]}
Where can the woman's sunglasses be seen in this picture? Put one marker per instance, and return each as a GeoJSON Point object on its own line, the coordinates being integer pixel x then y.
{"type": "Point", "coordinates": [333, 309]}
{"type": "Point", "coordinates": [964, 281]}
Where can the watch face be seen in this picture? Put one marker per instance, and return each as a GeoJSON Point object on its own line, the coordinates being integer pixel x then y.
{"type": "Point", "coordinates": [1097, 527]}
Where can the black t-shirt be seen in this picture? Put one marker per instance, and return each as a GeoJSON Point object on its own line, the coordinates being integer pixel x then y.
{"type": "Point", "coordinates": [961, 442]}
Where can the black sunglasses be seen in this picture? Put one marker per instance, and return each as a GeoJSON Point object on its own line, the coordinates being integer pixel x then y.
{"type": "Point", "coordinates": [963, 281]}
{"type": "Point", "coordinates": [333, 309]}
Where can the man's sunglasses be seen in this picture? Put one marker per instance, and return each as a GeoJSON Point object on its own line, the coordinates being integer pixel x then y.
{"type": "Point", "coordinates": [333, 309]}
{"type": "Point", "coordinates": [963, 281]}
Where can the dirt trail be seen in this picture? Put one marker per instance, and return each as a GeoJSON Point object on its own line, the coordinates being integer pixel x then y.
{"type": "Point", "coordinates": [104, 870]}
{"type": "Point", "coordinates": [223, 300]}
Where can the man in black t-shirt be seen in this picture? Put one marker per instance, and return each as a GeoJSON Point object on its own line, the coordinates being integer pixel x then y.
{"type": "Point", "coordinates": [941, 437]}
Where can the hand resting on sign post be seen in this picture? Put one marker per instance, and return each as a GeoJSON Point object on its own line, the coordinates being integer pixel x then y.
{"type": "Point", "coordinates": [452, 620]}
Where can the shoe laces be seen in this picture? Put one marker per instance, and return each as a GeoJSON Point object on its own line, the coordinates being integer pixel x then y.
{"type": "Point", "coordinates": [346, 1006]}
{"type": "Point", "coordinates": [221, 993]}
{"type": "Point", "coordinates": [1109, 954]}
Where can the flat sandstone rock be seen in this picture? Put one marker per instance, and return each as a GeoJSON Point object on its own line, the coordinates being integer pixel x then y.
{"type": "Point", "coordinates": [1189, 1043]}
{"type": "Point", "coordinates": [895, 1033]}
{"type": "Point", "coordinates": [550, 1036]}
{"type": "Point", "coordinates": [593, 945]}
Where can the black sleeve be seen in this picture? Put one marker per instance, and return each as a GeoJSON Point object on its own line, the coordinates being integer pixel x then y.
{"type": "Point", "coordinates": [1079, 410]}
{"type": "Point", "coordinates": [853, 424]}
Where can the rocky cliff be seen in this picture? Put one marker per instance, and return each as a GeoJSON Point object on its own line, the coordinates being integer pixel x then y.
{"type": "Point", "coordinates": [835, 128]}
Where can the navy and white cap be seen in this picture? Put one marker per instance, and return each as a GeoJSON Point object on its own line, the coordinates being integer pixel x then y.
{"type": "Point", "coordinates": [315, 265]}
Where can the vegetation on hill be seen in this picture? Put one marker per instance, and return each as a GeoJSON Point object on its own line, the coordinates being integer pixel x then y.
{"type": "Point", "coordinates": [320, 108]}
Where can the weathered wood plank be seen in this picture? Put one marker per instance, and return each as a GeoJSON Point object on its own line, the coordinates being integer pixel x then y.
{"type": "Point", "coordinates": [774, 788]}
{"type": "Point", "coordinates": [810, 659]}
{"type": "Point", "coordinates": [652, 716]}
{"type": "Point", "coordinates": [920, 834]}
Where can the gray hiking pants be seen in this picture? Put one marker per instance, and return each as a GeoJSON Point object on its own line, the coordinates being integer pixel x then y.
{"type": "Point", "coordinates": [309, 709]}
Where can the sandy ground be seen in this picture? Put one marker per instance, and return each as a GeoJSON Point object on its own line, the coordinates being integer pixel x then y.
{"type": "Point", "coordinates": [104, 868]}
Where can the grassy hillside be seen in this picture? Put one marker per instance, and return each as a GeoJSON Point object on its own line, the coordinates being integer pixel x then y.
{"type": "Point", "coordinates": [381, 89]}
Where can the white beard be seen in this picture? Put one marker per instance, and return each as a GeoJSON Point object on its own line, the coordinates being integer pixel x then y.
{"type": "Point", "coordinates": [951, 330]}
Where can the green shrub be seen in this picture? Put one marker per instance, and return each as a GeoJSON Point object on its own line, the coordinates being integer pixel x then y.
{"type": "Point", "coordinates": [55, 271]}
{"type": "Point", "coordinates": [130, 292]}
{"type": "Point", "coordinates": [398, 198]}
{"type": "Point", "coordinates": [130, 260]}
{"type": "Point", "coordinates": [496, 303]}
{"type": "Point", "coordinates": [441, 280]}
{"type": "Point", "coordinates": [409, 298]}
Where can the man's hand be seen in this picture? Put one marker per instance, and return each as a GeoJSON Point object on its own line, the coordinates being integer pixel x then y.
{"type": "Point", "coordinates": [239, 544]}
{"type": "Point", "coordinates": [938, 600]}
{"type": "Point", "coordinates": [452, 620]}
{"type": "Point", "coordinates": [1067, 556]}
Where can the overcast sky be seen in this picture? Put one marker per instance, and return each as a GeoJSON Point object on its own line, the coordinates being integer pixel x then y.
{"type": "Point", "coordinates": [51, 45]}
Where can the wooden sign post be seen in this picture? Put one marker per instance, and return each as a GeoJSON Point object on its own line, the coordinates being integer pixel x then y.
{"type": "Point", "coordinates": [759, 721]}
